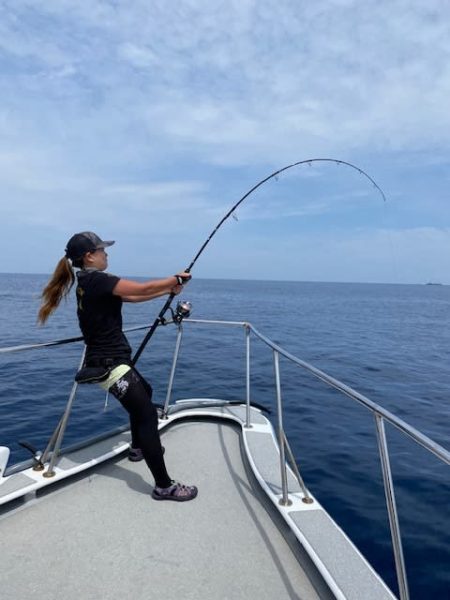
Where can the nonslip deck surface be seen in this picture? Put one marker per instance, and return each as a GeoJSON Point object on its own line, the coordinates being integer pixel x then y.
{"type": "Point", "coordinates": [103, 537]}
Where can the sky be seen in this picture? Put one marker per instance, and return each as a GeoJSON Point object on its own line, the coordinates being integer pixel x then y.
{"type": "Point", "coordinates": [146, 121]}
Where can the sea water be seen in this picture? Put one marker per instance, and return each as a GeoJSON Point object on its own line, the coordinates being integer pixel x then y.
{"type": "Point", "coordinates": [389, 342]}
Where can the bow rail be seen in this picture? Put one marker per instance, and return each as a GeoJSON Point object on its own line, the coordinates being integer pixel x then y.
{"type": "Point", "coordinates": [380, 414]}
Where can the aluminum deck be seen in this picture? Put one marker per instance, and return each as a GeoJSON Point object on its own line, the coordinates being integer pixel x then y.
{"type": "Point", "coordinates": [102, 536]}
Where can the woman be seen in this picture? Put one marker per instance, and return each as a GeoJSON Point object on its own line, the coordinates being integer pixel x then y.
{"type": "Point", "coordinates": [99, 309]}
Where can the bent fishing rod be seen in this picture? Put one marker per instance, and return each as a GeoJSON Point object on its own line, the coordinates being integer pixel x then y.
{"type": "Point", "coordinates": [160, 318]}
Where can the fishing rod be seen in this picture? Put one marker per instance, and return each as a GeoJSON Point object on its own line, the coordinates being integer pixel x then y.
{"type": "Point", "coordinates": [185, 309]}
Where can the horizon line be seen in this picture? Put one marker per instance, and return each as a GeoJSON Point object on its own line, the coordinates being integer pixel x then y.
{"type": "Point", "coordinates": [433, 283]}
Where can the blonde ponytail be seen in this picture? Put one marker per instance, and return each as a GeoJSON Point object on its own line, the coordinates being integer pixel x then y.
{"type": "Point", "coordinates": [57, 288]}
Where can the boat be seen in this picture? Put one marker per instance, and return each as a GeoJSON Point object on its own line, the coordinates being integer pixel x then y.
{"type": "Point", "coordinates": [78, 522]}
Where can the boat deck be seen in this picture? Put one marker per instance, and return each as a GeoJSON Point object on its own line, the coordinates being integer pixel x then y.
{"type": "Point", "coordinates": [102, 536]}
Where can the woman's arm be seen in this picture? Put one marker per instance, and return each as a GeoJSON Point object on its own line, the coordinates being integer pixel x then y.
{"type": "Point", "coordinates": [133, 291]}
{"type": "Point", "coordinates": [175, 290]}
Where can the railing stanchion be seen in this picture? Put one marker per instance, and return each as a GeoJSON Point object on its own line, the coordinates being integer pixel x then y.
{"type": "Point", "coordinates": [40, 466]}
{"type": "Point", "coordinates": [63, 424]}
{"type": "Point", "coordinates": [172, 370]}
{"type": "Point", "coordinates": [392, 508]}
{"type": "Point", "coordinates": [306, 497]}
{"type": "Point", "coordinates": [247, 376]}
{"type": "Point", "coordinates": [284, 501]}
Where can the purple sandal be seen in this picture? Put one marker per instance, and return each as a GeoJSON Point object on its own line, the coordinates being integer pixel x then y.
{"type": "Point", "coordinates": [177, 492]}
{"type": "Point", "coordinates": [135, 454]}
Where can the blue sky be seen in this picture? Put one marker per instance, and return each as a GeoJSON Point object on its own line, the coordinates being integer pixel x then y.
{"type": "Point", "coordinates": [146, 121]}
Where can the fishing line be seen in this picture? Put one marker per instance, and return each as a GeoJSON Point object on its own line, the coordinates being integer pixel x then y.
{"type": "Point", "coordinates": [393, 248]}
{"type": "Point", "coordinates": [160, 318]}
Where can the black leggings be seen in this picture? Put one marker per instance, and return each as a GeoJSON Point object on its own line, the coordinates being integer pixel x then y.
{"type": "Point", "coordinates": [135, 395]}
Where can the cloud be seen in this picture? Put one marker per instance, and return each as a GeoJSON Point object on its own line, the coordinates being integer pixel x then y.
{"type": "Point", "coordinates": [252, 82]}
{"type": "Point", "coordinates": [365, 255]}
{"type": "Point", "coordinates": [174, 203]}
{"type": "Point", "coordinates": [143, 115]}
{"type": "Point", "coordinates": [138, 56]}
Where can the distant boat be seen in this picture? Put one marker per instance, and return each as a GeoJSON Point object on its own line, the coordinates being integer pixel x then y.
{"type": "Point", "coordinates": [433, 283]}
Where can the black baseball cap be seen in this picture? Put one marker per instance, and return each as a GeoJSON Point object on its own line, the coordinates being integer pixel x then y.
{"type": "Point", "coordinates": [83, 242]}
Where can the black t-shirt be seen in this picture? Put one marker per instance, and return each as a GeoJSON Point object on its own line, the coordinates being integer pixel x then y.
{"type": "Point", "coordinates": [100, 317]}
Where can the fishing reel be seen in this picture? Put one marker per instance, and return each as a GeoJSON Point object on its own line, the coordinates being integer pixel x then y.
{"type": "Point", "coordinates": [182, 311]}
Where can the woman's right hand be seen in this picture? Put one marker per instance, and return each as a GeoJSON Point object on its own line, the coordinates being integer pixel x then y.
{"type": "Point", "coordinates": [184, 276]}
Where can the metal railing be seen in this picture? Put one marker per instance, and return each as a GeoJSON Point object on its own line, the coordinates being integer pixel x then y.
{"type": "Point", "coordinates": [380, 414]}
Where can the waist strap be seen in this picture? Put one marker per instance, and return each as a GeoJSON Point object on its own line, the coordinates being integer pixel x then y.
{"type": "Point", "coordinates": [108, 363]}
{"type": "Point", "coordinates": [114, 376]}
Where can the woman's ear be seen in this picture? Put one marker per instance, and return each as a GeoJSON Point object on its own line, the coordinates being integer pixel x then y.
{"type": "Point", "coordinates": [87, 259]}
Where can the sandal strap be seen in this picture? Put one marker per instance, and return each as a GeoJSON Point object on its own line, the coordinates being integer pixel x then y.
{"type": "Point", "coordinates": [176, 491]}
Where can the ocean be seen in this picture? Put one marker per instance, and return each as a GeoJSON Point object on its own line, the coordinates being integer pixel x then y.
{"type": "Point", "coordinates": [389, 342]}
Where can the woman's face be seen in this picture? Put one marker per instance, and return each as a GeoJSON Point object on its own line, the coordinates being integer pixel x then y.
{"type": "Point", "coordinates": [96, 260]}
